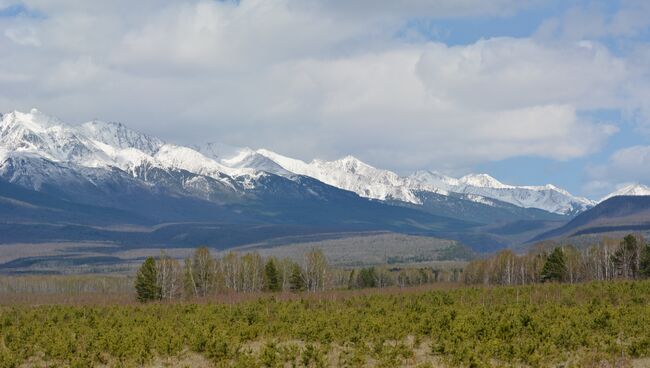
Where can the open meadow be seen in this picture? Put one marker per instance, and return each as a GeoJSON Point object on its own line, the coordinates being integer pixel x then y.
{"type": "Point", "coordinates": [596, 324]}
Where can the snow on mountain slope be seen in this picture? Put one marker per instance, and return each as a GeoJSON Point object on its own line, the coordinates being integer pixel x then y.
{"type": "Point", "coordinates": [34, 120]}
{"type": "Point", "coordinates": [629, 190]}
{"type": "Point", "coordinates": [548, 197]}
{"type": "Point", "coordinates": [33, 171]}
{"type": "Point", "coordinates": [185, 158]}
{"type": "Point", "coordinates": [482, 181]}
{"type": "Point", "coordinates": [350, 174]}
{"type": "Point", "coordinates": [117, 135]}
{"type": "Point", "coordinates": [217, 151]}
{"type": "Point", "coordinates": [247, 158]}
{"type": "Point", "coordinates": [99, 144]}
{"type": "Point", "coordinates": [241, 158]}
{"type": "Point", "coordinates": [36, 133]}
{"type": "Point", "coordinates": [124, 158]}
{"type": "Point", "coordinates": [432, 181]}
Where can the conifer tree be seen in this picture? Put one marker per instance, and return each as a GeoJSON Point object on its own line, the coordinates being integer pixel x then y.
{"type": "Point", "coordinates": [555, 266]}
{"type": "Point", "coordinates": [271, 276]}
{"type": "Point", "coordinates": [627, 258]}
{"type": "Point", "coordinates": [296, 280]}
{"type": "Point", "coordinates": [367, 278]}
{"type": "Point", "coordinates": [146, 281]}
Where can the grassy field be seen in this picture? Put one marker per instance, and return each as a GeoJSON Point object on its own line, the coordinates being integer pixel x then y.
{"type": "Point", "coordinates": [594, 324]}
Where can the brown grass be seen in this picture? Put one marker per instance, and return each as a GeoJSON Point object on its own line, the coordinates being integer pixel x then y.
{"type": "Point", "coordinates": [129, 298]}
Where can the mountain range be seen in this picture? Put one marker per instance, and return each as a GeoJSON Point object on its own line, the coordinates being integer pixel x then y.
{"type": "Point", "coordinates": [101, 181]}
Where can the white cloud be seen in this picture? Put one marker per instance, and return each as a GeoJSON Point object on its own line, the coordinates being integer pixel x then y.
{"type": "Point", "coordinates": [593, 20]}
{"type": "Point", "coordinates": [623, 166]}
{"type": "Point", "coordinates": [507, 72]}
{"type": "Point", "coordinates": [23, 36]}
{"type": "Point", "coordinates": [226, 35]}
{"type": "Point", "coordinates": [311, 78]}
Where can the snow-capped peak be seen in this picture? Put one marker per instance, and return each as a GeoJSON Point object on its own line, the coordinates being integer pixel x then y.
{"type": "Point", "coordinates": [37, 133]}
{"type": "Point", "coordinates": [433, 177]}
{"type": "Point", "coordinates": [248, 158]}
{"type": "Point", "coordinates": [634, 189]}
{"type": "Point", "coordinates": [351, 174]}
{"type": "Point", "coordinates": [431, 181]}
{"type": "Point", "coordinates": [483, 181]}
{"type": "Point", "coordinates": [118, 135]}
{"type": "Point", "coordinates": [352, 162]}
{"type": "Point", "coordinates": [217, 151]}
{"type": "Point", "coordinates": [33, 120]}
{"type": "Point", "coordinates": [295, 166]}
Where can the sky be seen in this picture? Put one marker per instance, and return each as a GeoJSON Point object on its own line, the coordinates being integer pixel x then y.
{"type": "Point", "coordinates": [529, 91]}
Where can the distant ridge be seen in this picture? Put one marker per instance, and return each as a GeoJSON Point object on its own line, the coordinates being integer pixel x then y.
{"type": "Point", "coordinates": [619, 213]}
{"type": "Point", "coordinates": [629, 190]}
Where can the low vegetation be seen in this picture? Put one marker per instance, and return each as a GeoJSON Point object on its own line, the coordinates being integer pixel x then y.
{"type": "Point", "coordinates": [591, 324]}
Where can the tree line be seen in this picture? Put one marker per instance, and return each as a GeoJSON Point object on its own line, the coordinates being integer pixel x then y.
{"type": "Point", "coordinates": [164, 278]}
{"type": "Point", "coordinates": [202, 274]}
{"type": "Point", "coordinates": [628, 258]}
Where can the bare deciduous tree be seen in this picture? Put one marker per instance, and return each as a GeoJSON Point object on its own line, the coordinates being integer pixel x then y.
{"type": "Point", "coordinates": [170, 277]}
{"type": "Point", "coordinates": [200, 273]}
{"type": "Point", "coordinates": [315, 270]}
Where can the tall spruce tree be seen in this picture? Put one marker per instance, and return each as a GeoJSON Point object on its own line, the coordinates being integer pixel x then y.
{"type": "Point", "coordinates": [296, 280]}
{"type": "Point", "coordinates": [367, 278]}
{"type": "Point", "coordinates": [271, 276]}
{"type": "Point", "coordinates": [146, 282]}
{"type": "Point", "coordinates": [626, 259]}
{"type": "Point", "coordinates": [555, 267]}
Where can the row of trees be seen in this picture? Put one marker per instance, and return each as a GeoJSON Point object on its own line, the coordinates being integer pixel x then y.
{"type": "Point", "coordinates": [628, 258]}
{"type": "Point", "coordinates": [380, 277]}
{"type": "Point", "coordinates": [164, 278]}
